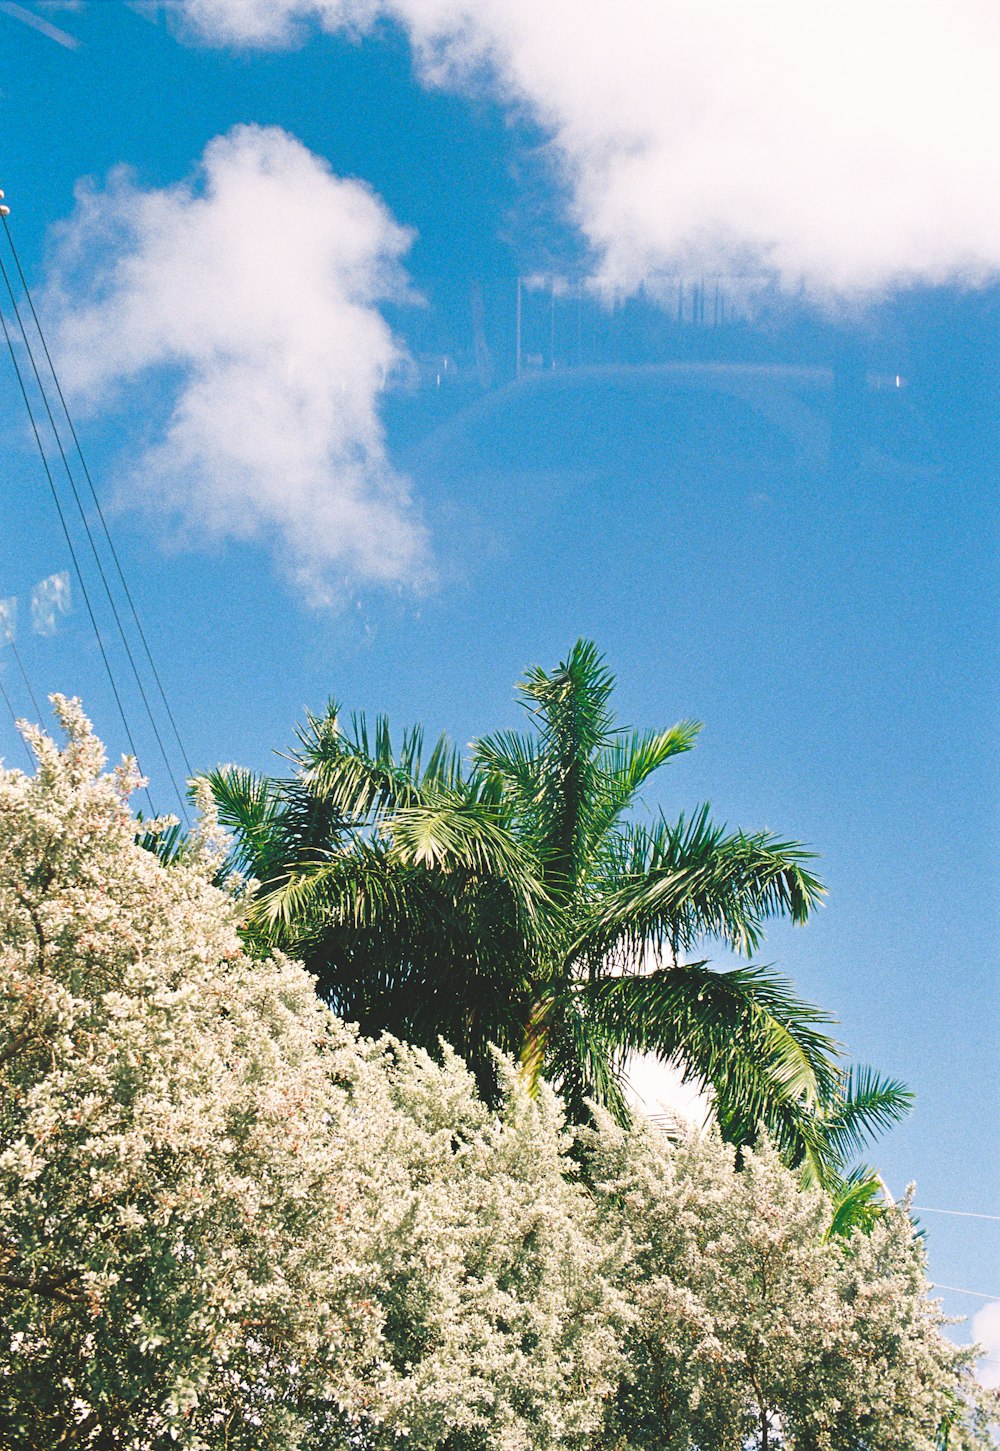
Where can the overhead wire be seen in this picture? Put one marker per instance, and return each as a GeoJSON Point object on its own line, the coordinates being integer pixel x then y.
{"type": "Point", "coordinates": [954, 1290]}
{"type": "Point", "coordinates": [90, 539]}
{"type": "Point", "coordinates": [13, 716]}
{"type": "Point", "coordinates": [956, 1213]}
{"type": "Point", "coordinates": [105, 531]}
{"type": "Point", "coordinates": [93, 494]}
{"type": "Point", "coordinates": [9, 634]}
{"type": "Point", "coordinates": [66, 532]}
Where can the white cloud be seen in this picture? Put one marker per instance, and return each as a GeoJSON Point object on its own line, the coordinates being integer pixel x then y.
{"type": "Point", "coordinates": [986, 1331]}
{"type": "Point", "coordinates": [272, 23]}
{"type": "Point", "coordinates": [658, 1090]}
{"type": "Point", "coordinates": [841, 149]}
{"type": "Point", "coordinates": [253, 291]}
{"type": "Point", "coordinates": [50, 598]}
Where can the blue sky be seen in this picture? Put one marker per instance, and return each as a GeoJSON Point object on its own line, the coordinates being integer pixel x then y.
{"type": "Point", "coordinates": [289, 334]}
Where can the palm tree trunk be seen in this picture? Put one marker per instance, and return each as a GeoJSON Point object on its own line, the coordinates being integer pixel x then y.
{"type": "Point", "coordinates": [536, 1037]}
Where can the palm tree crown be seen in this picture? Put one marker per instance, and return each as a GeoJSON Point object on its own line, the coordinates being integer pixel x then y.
{"type": "Point", "coordinates": [517, 902]}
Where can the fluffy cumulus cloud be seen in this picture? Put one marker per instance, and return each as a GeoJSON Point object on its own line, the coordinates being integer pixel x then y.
{"type": "Point", "coordinates": [250, 295]}
{"type": "Point", "coordinates": [838, 149]}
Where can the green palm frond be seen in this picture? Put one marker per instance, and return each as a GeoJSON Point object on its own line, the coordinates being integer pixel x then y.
{"type": "Point", "coordinates": [361, 890]}
{"type": "Point", "coordinates": [361, 788]}
{"type": "Point", "coordinates": [629, 761]}
{"type": "Point", "coordinates": [570, 704]}
{"type": "Point", "coordinates": [444, 764]}
{"type": "Point", "coordinates": [570, 710]}
{"type": "Point", "coordinates": [745, 1033]}
{"type": "Point", "coordinates": [358, 774]}
{"type": "Point", "coordinates": [513, 759]}
{"type": "Point", "coordinates": [651, 1009]}
{"type": "Point", "coordinates": [586, 1064]}
{"type": "Point", "coordinates": [249, 807]}
{"type": "Point", "coordinates": [169, 845]}
{"type": "Point", "coordinates": [866, 1105]}
{"type": "Point", "coordinates": [676, 884]}
{"type": "Point", "coordinates": [463, 835]}
{"type": "Point", "coordinates": [858, 1203]}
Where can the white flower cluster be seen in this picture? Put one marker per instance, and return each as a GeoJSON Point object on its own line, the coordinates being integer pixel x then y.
{"type": "Point", "coordinates": [753, 1326]}
{"type": "Point", "coordinates": [226, 1222]}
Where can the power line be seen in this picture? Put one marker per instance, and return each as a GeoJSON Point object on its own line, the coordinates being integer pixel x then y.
{"type": "Point", "coordinates": [89, 534]}
{"type": "Point", "coordinates": [13, 716]}
{"type": "Point", "coordinates": [20, 665]}
{"type": "Point", "coordinates": [93, 494]}
{"type": "Point", "coordinates": [958, 1213]}
{"type": "Point", "coordinates": [65, 528]}
{"type": "Point", "coordinates": [954, 1290]}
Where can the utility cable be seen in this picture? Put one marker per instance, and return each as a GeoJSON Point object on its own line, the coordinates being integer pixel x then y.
{"type": "Point", "coordinates": [17, 728]}
{"type": "Point", "coordinates": [93, 546]}
{"type": "Point", "coordinates": [958, 1213]}
{"type": "Point", "coordinates": [24, 674]}
{"type": "Point", "coordinates": [94, 496]}
{"type": "Point", "coordinates": [69, 539]}
{"type": "Point", "coordinates": [979, 1295]}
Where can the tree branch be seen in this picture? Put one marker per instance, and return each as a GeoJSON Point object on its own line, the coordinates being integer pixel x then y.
{"type": "Point", "coordinates": [49, 1286]}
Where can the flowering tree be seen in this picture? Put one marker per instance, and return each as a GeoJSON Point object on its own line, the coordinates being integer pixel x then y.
{"type": "Point", "coordinates": [224, 1222]}
{"type": "Point", "coordinates": [755, 1326]}
{"type": "Point", "coordinates": [229, 1224]}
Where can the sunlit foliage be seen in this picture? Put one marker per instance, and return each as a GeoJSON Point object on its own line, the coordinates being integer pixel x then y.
{"type": "Point", "coordinates": [229, 1224]}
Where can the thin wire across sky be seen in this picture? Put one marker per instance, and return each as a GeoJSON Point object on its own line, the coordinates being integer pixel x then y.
{"type": "Point", "coordinates": [113, 583]}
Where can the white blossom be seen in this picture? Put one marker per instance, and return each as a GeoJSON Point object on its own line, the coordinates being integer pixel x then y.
{"type": "Point", "coordinates": [228, 1222]}
{"type": "Point", "coordinates": [754, 1327]}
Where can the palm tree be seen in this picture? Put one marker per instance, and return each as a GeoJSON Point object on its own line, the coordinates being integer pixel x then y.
{"type": "Point", "coordinates": [517, 902]}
